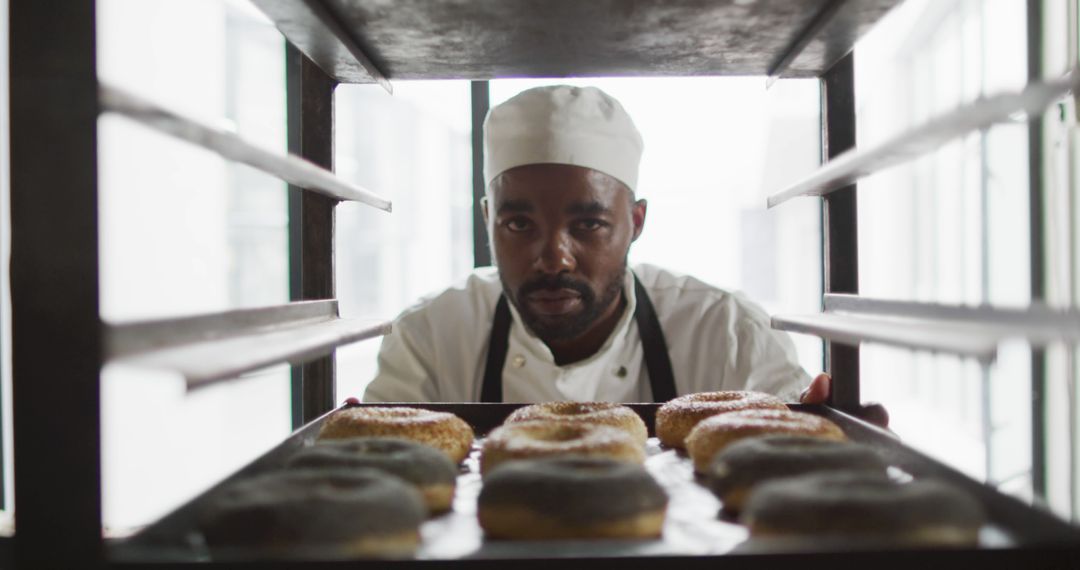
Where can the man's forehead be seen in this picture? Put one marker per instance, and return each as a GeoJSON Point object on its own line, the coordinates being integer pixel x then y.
{"type": "Point", "coordinates": [582, 207]}
{"type": "Point", "coordinates": [527, 200]}
{"type": "Point", "coordinates": [555, 183]}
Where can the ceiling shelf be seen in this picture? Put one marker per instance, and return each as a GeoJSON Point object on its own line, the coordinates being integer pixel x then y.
{"type": "Point", "coordinates": [365, 41]}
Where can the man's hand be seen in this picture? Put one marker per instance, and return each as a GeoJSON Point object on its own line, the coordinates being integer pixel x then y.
{"type": "Point", "coordinates": [821, 387]}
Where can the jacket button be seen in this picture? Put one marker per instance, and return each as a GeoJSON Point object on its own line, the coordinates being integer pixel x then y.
{"type": "Point", "coordinates": [518, 361]}
{"type": "Point", "coordinates": [621, 372]}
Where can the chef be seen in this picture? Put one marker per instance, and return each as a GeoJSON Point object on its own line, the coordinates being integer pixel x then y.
{"type": "Point", "coordinates": [562, 316]}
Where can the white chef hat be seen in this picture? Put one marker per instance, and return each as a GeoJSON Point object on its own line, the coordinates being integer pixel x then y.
{"type": "Point", "coordinates": [560, 124]}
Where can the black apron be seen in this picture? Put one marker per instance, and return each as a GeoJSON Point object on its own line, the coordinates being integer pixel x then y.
{"type": "Point", "coordinates": [657, 363]}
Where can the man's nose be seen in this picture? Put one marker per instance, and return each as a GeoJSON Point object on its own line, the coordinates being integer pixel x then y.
{"type": "Point", "coordinates": [556, 254]}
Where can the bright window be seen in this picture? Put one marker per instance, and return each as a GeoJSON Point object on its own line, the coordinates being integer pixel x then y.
{"type": "Point", "coordinates": [414, 147]}
{"type": "Point", "coordinates": [950, 227]}
{"type": "Point", "coordinates": [183, 232]}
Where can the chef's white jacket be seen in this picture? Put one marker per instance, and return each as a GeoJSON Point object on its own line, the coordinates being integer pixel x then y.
{"type": "Point", "coordinates": [717, 340]}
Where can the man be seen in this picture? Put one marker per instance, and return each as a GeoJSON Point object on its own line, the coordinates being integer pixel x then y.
{"type": "Point", "coordinates": [563, 317]}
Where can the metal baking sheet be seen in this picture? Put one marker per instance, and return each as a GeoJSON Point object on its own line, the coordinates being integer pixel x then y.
{"type": "Point", "coordinates": [693, 527]}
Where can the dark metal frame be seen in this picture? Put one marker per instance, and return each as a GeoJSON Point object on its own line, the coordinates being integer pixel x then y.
{"type": "Point", "coordinates": [1036, 212]}
{"type": "Point", "coordinates": [54, 283]}
{"type": "Point", "coordinates": [840, 256]}
{"type": "Point", "coordinates": [310, 112]}
{"type": "Point", "coordinates": [481, 102]}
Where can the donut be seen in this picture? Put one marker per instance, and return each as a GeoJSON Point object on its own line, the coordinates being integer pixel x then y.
{"type": "Point", "coordinates": [604, 413]}
{"type": "Point", "coordinates": [427, 469]}
{"type": "Point", "coordinates": [864, 506]}
{"type": "Point", "coordinates": [440, 430]}
{"type": "Point", "coordinates": [735, 471]}
{"type": "Point", "coordinates": [677, 417]}
{"type": "Point", "coordinates": [304, 513]}
{"type": "Point", "coordinates": [571, 497]}
{"type": "Point", "coordinates": [525, 440]}
{"type": "Point", "coordinates": [713, 434]}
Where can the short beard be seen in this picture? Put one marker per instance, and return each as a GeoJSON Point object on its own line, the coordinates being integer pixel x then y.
{"type": "Point", "coordinates": [573, 326]}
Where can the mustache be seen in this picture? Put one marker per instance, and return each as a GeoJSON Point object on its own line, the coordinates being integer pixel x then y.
{"type": "Point", "coordinates": [554, 282]}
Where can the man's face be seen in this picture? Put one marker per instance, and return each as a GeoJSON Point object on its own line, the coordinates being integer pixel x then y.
{"type": "Point", "coordinates": [560, 236]}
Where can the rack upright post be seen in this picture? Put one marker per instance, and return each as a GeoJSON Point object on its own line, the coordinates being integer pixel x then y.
{"type": "Point", "coordinates": [310, 102]}
{"type": "Point", "coordinates": [839, 221]}
{"type": "Point", "coordinates": [56, 325]}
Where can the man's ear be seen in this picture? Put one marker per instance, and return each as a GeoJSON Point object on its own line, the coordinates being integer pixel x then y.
{"type": "Point", "coordinates": [637, 214]}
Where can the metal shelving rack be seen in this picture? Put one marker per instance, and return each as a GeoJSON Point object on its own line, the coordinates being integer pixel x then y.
{"type": "Point", "coordinates": [62, 344]}
{"type": "Point", "coordinates": [847, 320]}
{"type": "Point", "coordinates": [59, 341]}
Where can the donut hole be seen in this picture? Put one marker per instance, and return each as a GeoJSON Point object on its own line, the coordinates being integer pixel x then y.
{"type": "Point", "coordinates": [564, 433]}
{"type": "Point", "coordinates": [720, 396]}
{"type": "Point", "coordinates": [579, 408]}
{"type": "Point", "coordinates": [540, 438]}
{"type": "Point", "coordinates": [572, 409]}
{"type": "Point", "coordinates": [395, 412]}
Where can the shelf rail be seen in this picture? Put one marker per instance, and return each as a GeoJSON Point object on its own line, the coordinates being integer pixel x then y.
{"type": "Point", "coordinates": [287, 167]}
{"type": "Point", "coordinates": [971, 331]}
{"type": "Point", "coordinates": [982, 113]}
{"type": "Point", "coordinates": [208, 348]}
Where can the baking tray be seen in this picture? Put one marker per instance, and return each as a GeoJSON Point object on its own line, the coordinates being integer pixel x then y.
{"type": "Point", "coordinates": [693, 531]}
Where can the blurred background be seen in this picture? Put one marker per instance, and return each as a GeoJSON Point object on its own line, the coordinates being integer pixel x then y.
{"type": "Point", "coordinates": [184, 232]}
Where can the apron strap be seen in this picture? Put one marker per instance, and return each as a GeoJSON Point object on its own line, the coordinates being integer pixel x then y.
{"type": "Point", "coordinates": [657, 362]}
{"type": "Point", "coordinates": [491, 389]}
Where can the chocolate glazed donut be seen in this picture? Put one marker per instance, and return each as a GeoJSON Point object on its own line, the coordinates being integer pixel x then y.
{"type": "Point", "coordinates": [325, 513]}
{"type": "Point", "coordinates": [426, 468]}
{"type": "Point", "coordinates": [743, 465]}
{"type": "Point", "coordinates": [571, 497]}
{"type": "Point", "coordinates": [866, 507]}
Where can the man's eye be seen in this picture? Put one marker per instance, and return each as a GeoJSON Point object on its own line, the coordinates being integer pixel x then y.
{"type": "Point", "coordinates": [591, 224]}
{"type": "Point", "coordinates": [517, 224]}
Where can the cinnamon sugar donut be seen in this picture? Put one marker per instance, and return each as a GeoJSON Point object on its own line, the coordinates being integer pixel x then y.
{"type": "Point", "coordinates": [440, 430]}
{"type": "Point", "coordinates": [535, 439]}
{"type": "Point", "coordinates": [603, 413]}
{"type": "Point", "coordinates": [713, 434]}
{"type": "Point", "coordinates": [676, 418]}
